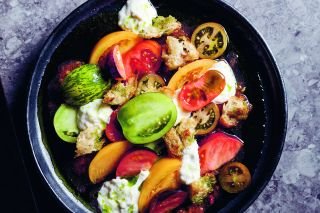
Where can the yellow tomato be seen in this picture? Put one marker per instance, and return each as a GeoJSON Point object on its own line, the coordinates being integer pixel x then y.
{"type": "Point", "coordinates": [190, 72]}
{"type": "Point", "coordinates": [125, 39]}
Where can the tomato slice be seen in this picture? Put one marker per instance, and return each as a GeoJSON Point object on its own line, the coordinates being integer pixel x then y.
{"type": "Point", "coordinates": [210, 39]}
{"type": "Point", "coordinates": [234, 177]}
{"type": "Point", "coordinates": [207, 118]}
{"type": "Point", "coordinates": [150, 83]}
{"type": "Point", "coordinates": [217, 149]}
{"type": "Point", "coordinates": [134, 162]}
{"type": "Point", "coordinates": [113, 129]}
{"type": "Point", "coordinates": [199, 93]}
{"type": "Point", "coordinates": [144, 58]}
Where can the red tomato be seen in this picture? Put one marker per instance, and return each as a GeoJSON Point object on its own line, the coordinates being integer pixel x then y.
{"type": "Point", "coordinates": [144, 58]}
{"type": "Point", "coordinates": [132, 163]}
{"type": "Point", "coordinates": [167, 201]}
{"type": "Point", "coordinates": [218, 149]}
{"type": "Point", "coordinates": [199, 93]}
{"type": "Point", "coordinates": [113, 129]}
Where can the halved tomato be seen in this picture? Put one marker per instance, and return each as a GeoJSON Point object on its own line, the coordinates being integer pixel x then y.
{"type": "Point", "coordinates": [210, 39]}
{"type": "Point", "coordinates": [113, 129]}
{"type": "Point", "coordinates": [144, 58]}
{"type": "Point", "coordinates": [132, 163]}
{"type": "Point", "coordinates": [199, 93]}
{"type": "Point", "coordinates": [207, 118]}
{"type": "Point", "coordinates": [150, 83]}
{"type": "Point", "coordinates": [218, 149]}
{"type": "Point", "coordinates": [234, 177]}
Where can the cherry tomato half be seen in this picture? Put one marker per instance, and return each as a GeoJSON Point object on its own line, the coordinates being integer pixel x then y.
{"type": "Point", "coordinates": [144, 58]}
{"type": "Point", "coordinates": [210, 39]}
{"type": "Point", "coordinates": [150, 83]}
{"type": "Point", "coordinates": [207, 118]}
{"type": "Point", "coordinates": [234, 177]}
{"type": "Point", "coordinates": [199, 93]}
{"type": "Point", "coordinates": [131, 164]}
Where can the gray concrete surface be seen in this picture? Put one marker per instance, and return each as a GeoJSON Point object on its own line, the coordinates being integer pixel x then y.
{"type": "Point", "coordinates": [292, 30]}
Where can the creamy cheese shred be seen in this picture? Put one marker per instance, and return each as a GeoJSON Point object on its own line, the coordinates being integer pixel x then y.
{"type": "Point", "coordinates": [119, 195]}
{"type": "Point", "coordinates": [190, 168]}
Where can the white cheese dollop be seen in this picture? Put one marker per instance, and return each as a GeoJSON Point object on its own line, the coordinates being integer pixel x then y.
{"type": "Point", "coordinates": [137, 15]}
{"type": "Point", "coordinates": [181, 114]}
{"type": "Point", "coordinates": [94, 114]}
{"type": "Point", "coordinates": [119, 195]}
{"type": "Point", "coordinates": [231, 83]}
{"type": "Point", "coordinates": [190, 168]}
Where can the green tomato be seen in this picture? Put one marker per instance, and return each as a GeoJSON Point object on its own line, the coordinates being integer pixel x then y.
{"type": "Point", "coordinates": [147, 117]}
{"type": "Point", "coordinates": [65, 123]}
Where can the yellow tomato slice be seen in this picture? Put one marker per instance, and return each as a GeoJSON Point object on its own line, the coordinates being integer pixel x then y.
{"type": "Point", "coordinates": [126, 40]}
{"type": "Point", "coordinates": [190, 72]}
{"type": "Point", "coordinates": [164, 175]}
{"type": "Point", "coordinates": [210, 39]}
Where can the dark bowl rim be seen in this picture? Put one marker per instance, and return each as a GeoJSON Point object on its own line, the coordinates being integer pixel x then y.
{"type": "Point", "coordinates": [50, 45]}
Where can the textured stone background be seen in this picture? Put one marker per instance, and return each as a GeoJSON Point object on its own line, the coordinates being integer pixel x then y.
{"type": "Point", "coordinates": [291, 29]}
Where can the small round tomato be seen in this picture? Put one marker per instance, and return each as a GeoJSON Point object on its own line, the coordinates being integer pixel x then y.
{"type": "Point", "coordinates": [113, 129]}
{"type": "Point", "coordinates": [207, 118]}
{"type": "Point", "coordinates": [150, 83]}
{"type": "Point", "coordinates": [210, 39]}
{"type": "Point", "coordinates": [234, 177]}
{"type": "Point", "coordinates": [144, 58]}
{"type": "Point", "coordinates": [199, 93]}
{"type": "Point", "coordinates": [132, 163]}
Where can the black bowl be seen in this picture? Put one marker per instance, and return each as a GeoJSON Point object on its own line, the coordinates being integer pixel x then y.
{"type": "Point", "coordinates": [263, 133]}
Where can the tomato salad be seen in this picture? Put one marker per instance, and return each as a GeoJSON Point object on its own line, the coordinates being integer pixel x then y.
{"type": "Point", "coordinates": [151, 108]}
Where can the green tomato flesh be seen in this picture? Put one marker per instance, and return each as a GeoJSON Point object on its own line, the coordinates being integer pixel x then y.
{"type": "Point", "coordinates": [65, 123]}
{"type": "Point", "coordinates": [147, 117]}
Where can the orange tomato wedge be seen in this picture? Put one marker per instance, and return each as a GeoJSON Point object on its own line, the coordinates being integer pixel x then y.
{"type": "Point", "coordinates": [126, 40]}
{"type": "Point", "coordinates": [190, 72]}
{"type": "Point", "coordinates": [164, 175]}
{"type": "Point", "coordinates": [107, 160]}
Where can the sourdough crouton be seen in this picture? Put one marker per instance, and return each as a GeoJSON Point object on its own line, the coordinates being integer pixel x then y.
{"type": "Point", "coordinates": [179, 52]}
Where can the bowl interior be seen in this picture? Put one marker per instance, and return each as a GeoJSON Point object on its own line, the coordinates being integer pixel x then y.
{"type": "Point", "coordinates": [263, 133]}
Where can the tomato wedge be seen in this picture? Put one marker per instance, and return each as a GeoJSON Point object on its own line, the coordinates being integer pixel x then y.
{"type": "Point", "coordinates": [144, 58]}
{"type": "Point", "coordinates": [134, 162]}
{"type": "Point", "coordinates": [113, 129]}
{"type": "Point", "coordinates": [125, 39]}
{"type": "Point", "coordinates": [167, 201]}
{"type": "Point", "coordinates": [199, 93]}
{"type": "Point", "coordinates": [217, 149]}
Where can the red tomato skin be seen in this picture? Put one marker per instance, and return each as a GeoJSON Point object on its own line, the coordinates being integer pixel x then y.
{"type": "Point", "coordinates": [135, 161]}
{"type": "Point", "coordinates": [144, 58]}
{"type": "Point", "coordinates": [197, 94]}
{"type": "Point", "coordinates": [112, 130]}
{"type": "Point", "coordinates": [167, 204]}
{"type": "Point", "coordinates": [217, 149]}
